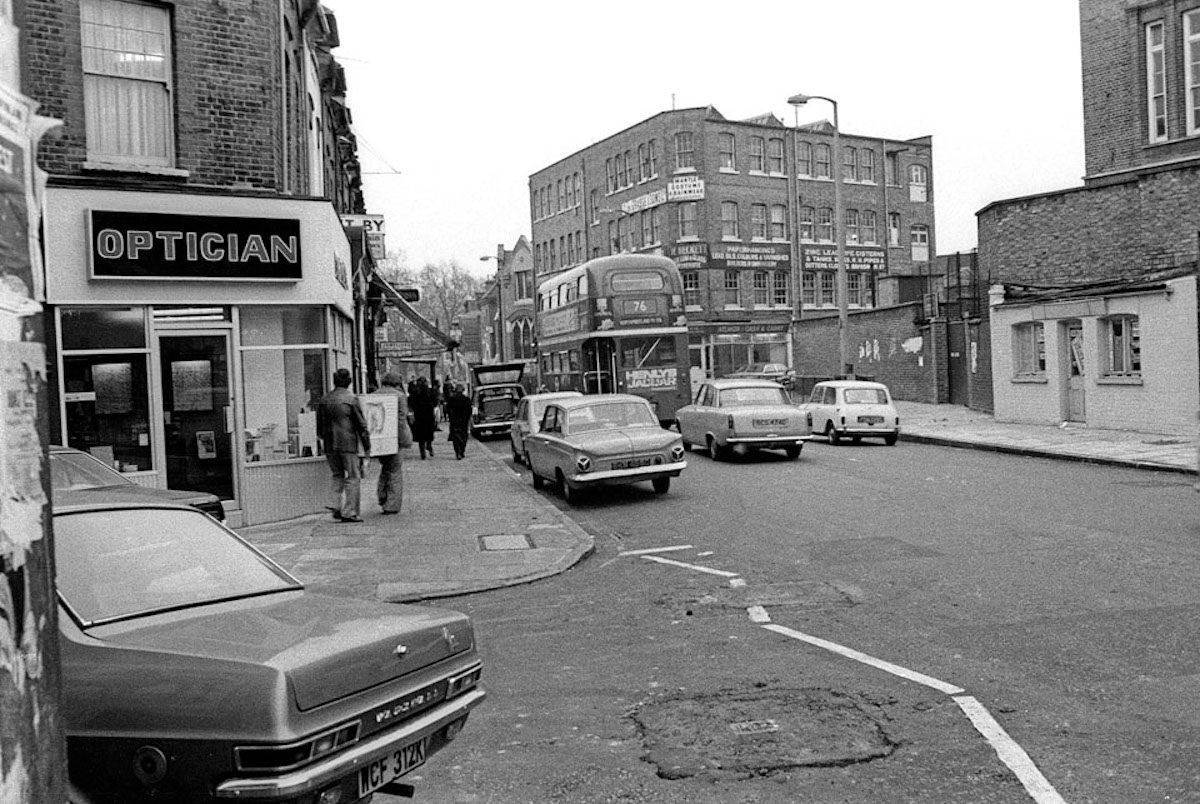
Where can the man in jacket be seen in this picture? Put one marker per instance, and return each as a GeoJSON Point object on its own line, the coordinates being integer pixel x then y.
{"type": "Point", "coordinates": [341, 426]}
{"type": "Point", "coordinates": [390, 489]}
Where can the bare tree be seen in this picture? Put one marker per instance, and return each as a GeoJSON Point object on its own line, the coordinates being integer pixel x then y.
{"type": "Point", "coordinates": [445, 288]}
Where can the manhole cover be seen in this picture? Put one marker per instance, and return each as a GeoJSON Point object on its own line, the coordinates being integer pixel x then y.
{"type": "Point", "coordinates": [505, 541]}
{"type": "Point", "coordinates": [760, 731]}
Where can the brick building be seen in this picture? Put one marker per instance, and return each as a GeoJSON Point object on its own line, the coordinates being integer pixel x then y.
{"type": "Point", "coordinates": [200, 289]}
{"type": "Point", "coordinates": [1094, 319]}
{"type": "Point", "coordinates": [740, 206]}
{"type": "Point", "coordinates": [507, 303]}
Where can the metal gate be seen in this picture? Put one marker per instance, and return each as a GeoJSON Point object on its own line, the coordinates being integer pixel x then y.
{"type": "Point", "coordinates": [959, 368]}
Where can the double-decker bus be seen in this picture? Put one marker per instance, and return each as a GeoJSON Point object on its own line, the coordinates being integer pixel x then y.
{"type": "Point", "coordinates": [616, 325]}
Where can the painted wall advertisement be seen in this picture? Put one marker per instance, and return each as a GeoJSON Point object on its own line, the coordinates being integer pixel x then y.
{"type": "Point", "coordinates": [650, 379]}
{"type": "Point", "coordinates": [764, 256]}
{"type": "Point", "coordinates": [858, 258]}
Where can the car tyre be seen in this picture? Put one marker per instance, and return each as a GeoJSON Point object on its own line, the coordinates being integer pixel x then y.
{"type": "Point", "coordinates": [832, 434]}
{"type": "Point", "coordinates": [890, 439]}
{"type": "Point", "coordinates": [569, 495]}
{"type": "Point", "coordinates": [714, 450]}
{"type": "Point", "coordinates": [687, 445]}
{"type": "Point", "coordinates": [538, 482]}
{"type": "Point", "coordinates": [792, 452]}
{"type": "Point", "coordinates": [661, 485]}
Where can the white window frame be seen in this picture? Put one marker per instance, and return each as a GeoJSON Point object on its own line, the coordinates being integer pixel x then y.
{"type": "Point", "coordinates": [758, 222]}
{"type": "Point", "coordinates": [918, 183]}
{"type": "Point", "coordinates": [727, 146]}
{"type": "Point", "coordinates": [822, 161]}
{"type": "Point", "coordinates": [143, 73]}
{"type": "Point", "coordinates": [804, 159]}
{"type": "Point", "coordinates": [778, 222]}
{"type": "Point", "coordinates": [1029, 349]}
{"type": "Point", "coordinates": [688, 219]}
{"type": "Point", "coordinates": [775, 156]}
{"type": "Point", "coordinates": [685, 154]}
{"type": "Point", "coordinates": [869, 228]}
{"type": "Point", "coordinates": [762, 289]}
{"type": "Point", "coordinates": [730, 229]}
{"type": "Point", "coordinates": [1123, 346]}
{"type": "Point", "coordinates": [807, 219]}
{"type": "Point", "coordinates": [758, 155]}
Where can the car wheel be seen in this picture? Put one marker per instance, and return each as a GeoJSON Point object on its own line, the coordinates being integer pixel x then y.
{"type": "Point", "coordinates": [792, 453]}
{"type": "Point", "coordinates": [714, 449]}
{"type": "Point", "coordinates": [538, 482]}
{"type": "Point", "coordinates": [569, 495]}
{"type": "Point", "coordinates": [832, 434]}
{"type": "Point", "coordinates": [661, 485]}
{"type": "Point", "coordinates": [890, 439]}
{"type": "Point", "coordinates": [687, 445]}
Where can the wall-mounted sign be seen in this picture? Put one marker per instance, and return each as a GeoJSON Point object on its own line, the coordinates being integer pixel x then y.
{"type": "Point", "coordinates": [647, 201]}
{"type": "Point", "coordinates": [751, 255]}
{"type": "Point", "coordinates": [689, 255]}
{"type": "Point", "coordinates": [858, 258]}
{"type": "Point", "coordinates": [685, 188]}
{"type": "Point", "coordinates": [375, 229]}
{"type": "Point", "coordinates": [151, 245]}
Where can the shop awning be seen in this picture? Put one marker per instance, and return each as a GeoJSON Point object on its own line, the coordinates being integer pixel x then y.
{"type": "Point", "coordinates": [389, 295]}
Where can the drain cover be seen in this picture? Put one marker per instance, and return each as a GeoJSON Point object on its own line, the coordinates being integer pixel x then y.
{"type": "Point", "coordinates": [505, 541]}
{"type": "Point", "coordinates": [760, 731]}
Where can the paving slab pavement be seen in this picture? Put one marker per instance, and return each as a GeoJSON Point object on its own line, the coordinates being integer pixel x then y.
{"type": "Point", "coordinates": [471, 525]}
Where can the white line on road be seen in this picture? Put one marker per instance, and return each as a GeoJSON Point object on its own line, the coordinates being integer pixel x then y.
{"type": "Point", "coordinates": [655, 550]}
{"type": "Point", "coordinates": [758, 614]}
{"type": "Point", "coordinates": [850, 653]}
{"type": "Point", "coordinates": [695, 567]}
{"type": "Point", "coordinates": [1010, 753]}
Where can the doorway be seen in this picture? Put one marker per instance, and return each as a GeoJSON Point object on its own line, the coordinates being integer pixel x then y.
{"type": "Point", "coordinates": [197, 412]}
{"type": "Point", "coordinates": [1075, 374]}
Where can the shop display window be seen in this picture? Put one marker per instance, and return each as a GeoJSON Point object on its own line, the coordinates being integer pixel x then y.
{"type": "Point", "coordinates": [107, 408]}
{"type": "Point", "coordinates": [103, 328]}
{"type": "Point", "coordinates": [285, 372]}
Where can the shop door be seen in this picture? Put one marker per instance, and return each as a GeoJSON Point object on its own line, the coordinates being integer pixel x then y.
{"type": "Point", "coordinates": [197, 412]}
{"type": "Point", "coordinates": [1075, 375]}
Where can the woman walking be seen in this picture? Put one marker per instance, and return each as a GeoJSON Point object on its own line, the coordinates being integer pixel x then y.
{"type": "Point", "coordinates": [421, 403]}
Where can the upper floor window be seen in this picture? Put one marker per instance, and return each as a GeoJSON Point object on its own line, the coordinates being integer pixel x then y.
{"type": "Point", "coordinates": [825, 224]}
{"type": "Point", "coordinates": [1029, 349]}
{"type": "Point", "coordinates": [691, 288]}
{"type": "Point", "coordinates": [919, 238]}
{"type": "Point", "coordinates": [684, 155]}
{"type": "Point", "coordinates": [732, 288]}
{"type": "Point", "coordinates": [622, 162]}
{"type": "Point", "coordinates": [127, 83]}
{"type": "Point", "coordinates": [824, 170]}
{"type": "Point", "coordinates": [610, 175]}
{"type": "Point", "coordinates": [807, 217]}
{"type": "Point", "coordinates": [758, 155]}
{"type": "Point", "coordinates": [562, 203]}
{"type": "Point", "coordinates": [523, 284]}
{"type": "Point", "coordinates": [866, 165]}
{"type": "Point", "coordinates": [1123, 346]}
{"type": "Point", "coordinates": [850, 222]}
{"type": "Point", "coordinates": [595, 205]}
{"type": "Point", "coordinates": [778, 222]}
{"type": "Point", "coordinates": [775, 155]}
{"type": "Point", "coordinates": [647, 216]}
{"type": "Point", "coordinates": [891, 168]}
{"type": "Point", "coordinates": [1191, 69]}
{"type": "Point", "coordinates": [868, 227]}
{"type": "Point", "coordinates": [918, 181]}
{"type": "Point", "coordinates": [804, 159]}
{"type": "Point", "coordinates": [687, 219]}
{"type": "Point", "coordinates": [849, 164]}
{"type": "Point", "coordinates": [726, 146]}
{"type": "Point", "coordinates": [893, 224]}
{"type": "Point", "coordinates": [779, 289]}
{"type": "Point", "coordinates": [762, 288]}
{"type": "Point", "coordinates": [643, 163]}
{"type": "Point", "coordinates": [656, 225]}
{"type": "Point", "coordinates": [758, 221]}
{"type": "Point", "coordinates": [729, 220]}
{"type": "Point", "coordinates": [653, 159]}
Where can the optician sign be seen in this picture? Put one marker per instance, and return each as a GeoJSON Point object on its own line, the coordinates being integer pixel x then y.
{"type": "Point", "coordinates": [150, 245]}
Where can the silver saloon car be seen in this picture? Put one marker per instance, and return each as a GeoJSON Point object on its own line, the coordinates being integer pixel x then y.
{"type": "Point", "coordinates": [529, 419]}
{"type": "Point", "coordinates": [743, 415]}
{"type": "Point", "coordinates": [603, 440]}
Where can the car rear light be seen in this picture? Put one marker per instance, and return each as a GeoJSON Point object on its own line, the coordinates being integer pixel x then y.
{"type": "Point", "coordinates": [149, 765]}
{"type": "Point", "coordinates": [456, 685]}
{"type": "Point", "coordinates": [285, 757]}
{"type": "Point", "coordinates": [729, 424]}
{"type": "Point", "coordinates": [583, 463]}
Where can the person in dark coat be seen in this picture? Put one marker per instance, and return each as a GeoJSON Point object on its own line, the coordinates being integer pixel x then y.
{"type": "Point", "coordinates": [421, 404]}
{"type": "Point", "coordinates": [342, 426]}
{"type": "Point", "coordinates": [458, 413]}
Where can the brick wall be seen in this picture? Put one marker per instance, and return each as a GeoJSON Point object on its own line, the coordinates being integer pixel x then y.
{"type": "Point", "coordinates": [886, 345]}
{"type": "Point", "coordinates": [1113, 231]}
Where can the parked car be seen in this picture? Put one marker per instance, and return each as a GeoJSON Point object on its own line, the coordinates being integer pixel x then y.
{"type": "Point", "coordinates": [196, 669]}
{"type": "Point", "coordinates": [853, 409]}
{"type": "Point", "coordinates": [529, 418]}
{"type": "Point", "coordinates": [760, 371]}
{"type": "Point", "coordinates": [73, 469]}
{"type": "Point", "coordinates": [494, 398]}
{"type": "Point", "coordinates": [742, 415]}
{"type": "Point", "coordinates": [602, 440]}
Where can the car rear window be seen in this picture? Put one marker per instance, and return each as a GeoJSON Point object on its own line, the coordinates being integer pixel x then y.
{"type": "Point", "coordinates": [866, 396]}
{"type": "Point", "coordinates": [118, 563]}
{"type": "Point", "coordinates": [610, 416]}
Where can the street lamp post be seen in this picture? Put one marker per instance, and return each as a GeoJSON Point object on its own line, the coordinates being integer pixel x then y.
{"type": "Point", "coordinates": [839, 238]}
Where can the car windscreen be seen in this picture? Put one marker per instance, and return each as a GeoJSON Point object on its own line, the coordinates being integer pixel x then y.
{"type": "Point", "coordinates": [117, 563]}
{"type": "Point", "coordinates": [739, 397]}
{"type": "Point", "coordinates": [610, 416]}
{"type": "Point", "coordinates": [77, 470]}
{"type": "Point", "coordinates": [865, 396]}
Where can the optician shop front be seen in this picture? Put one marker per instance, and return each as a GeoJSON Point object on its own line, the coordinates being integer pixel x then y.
{"type": "Point", "coordinates": [192, 336]}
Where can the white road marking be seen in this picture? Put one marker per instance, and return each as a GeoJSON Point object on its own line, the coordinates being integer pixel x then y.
{"type": "Point", "coordinates": [696, 567]}
{"type": "Point", "coordinates": [734, 583]}
{"type": "Point", "coordinates": [850, 653]}
{"type": "Point", "coordinates": [1011, 754]}
{"type": "Point", "coordinates": [758, 614]}
{"type": "Point", "coordinates": [655, 550]}
{"type": "Point", "coordinates": [705, 553]}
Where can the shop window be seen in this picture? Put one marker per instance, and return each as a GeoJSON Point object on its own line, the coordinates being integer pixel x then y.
{"type": "Point", "coordinates": [103, 328]}
{"type": "Point", "coordinates": [285, 372]}
{"type": "Point", "coordinates": [1029, 349]}
{"type": "Point", "coordinates": [1123, 342]}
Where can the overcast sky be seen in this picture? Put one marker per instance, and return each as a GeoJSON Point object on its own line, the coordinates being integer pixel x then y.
{"type": "Point", "coordinates": [465, 100]}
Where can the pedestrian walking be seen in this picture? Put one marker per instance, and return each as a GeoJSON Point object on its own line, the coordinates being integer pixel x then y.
{"type": "Point", "coordinates": [458, 413]}
{"type": "Point", "coordinates": [342, 426]}
{"type": "Point", "coordinates": [390, 489]}
{"type": "Point", "coordinates": [421, 403]}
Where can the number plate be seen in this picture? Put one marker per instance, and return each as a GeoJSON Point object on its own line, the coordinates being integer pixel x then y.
{"type": "Point", "coordinates": [631, 463]}
{"type": "Point", "coordinates": [391, 767]}
{"type": "Point", "coordinates": [870, 419]}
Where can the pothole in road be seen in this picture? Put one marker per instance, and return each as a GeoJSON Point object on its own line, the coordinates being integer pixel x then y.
{"type": "Point", "coordinates": [760, 732]}
{"type": "Point", "coordinates": [803, 594]}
